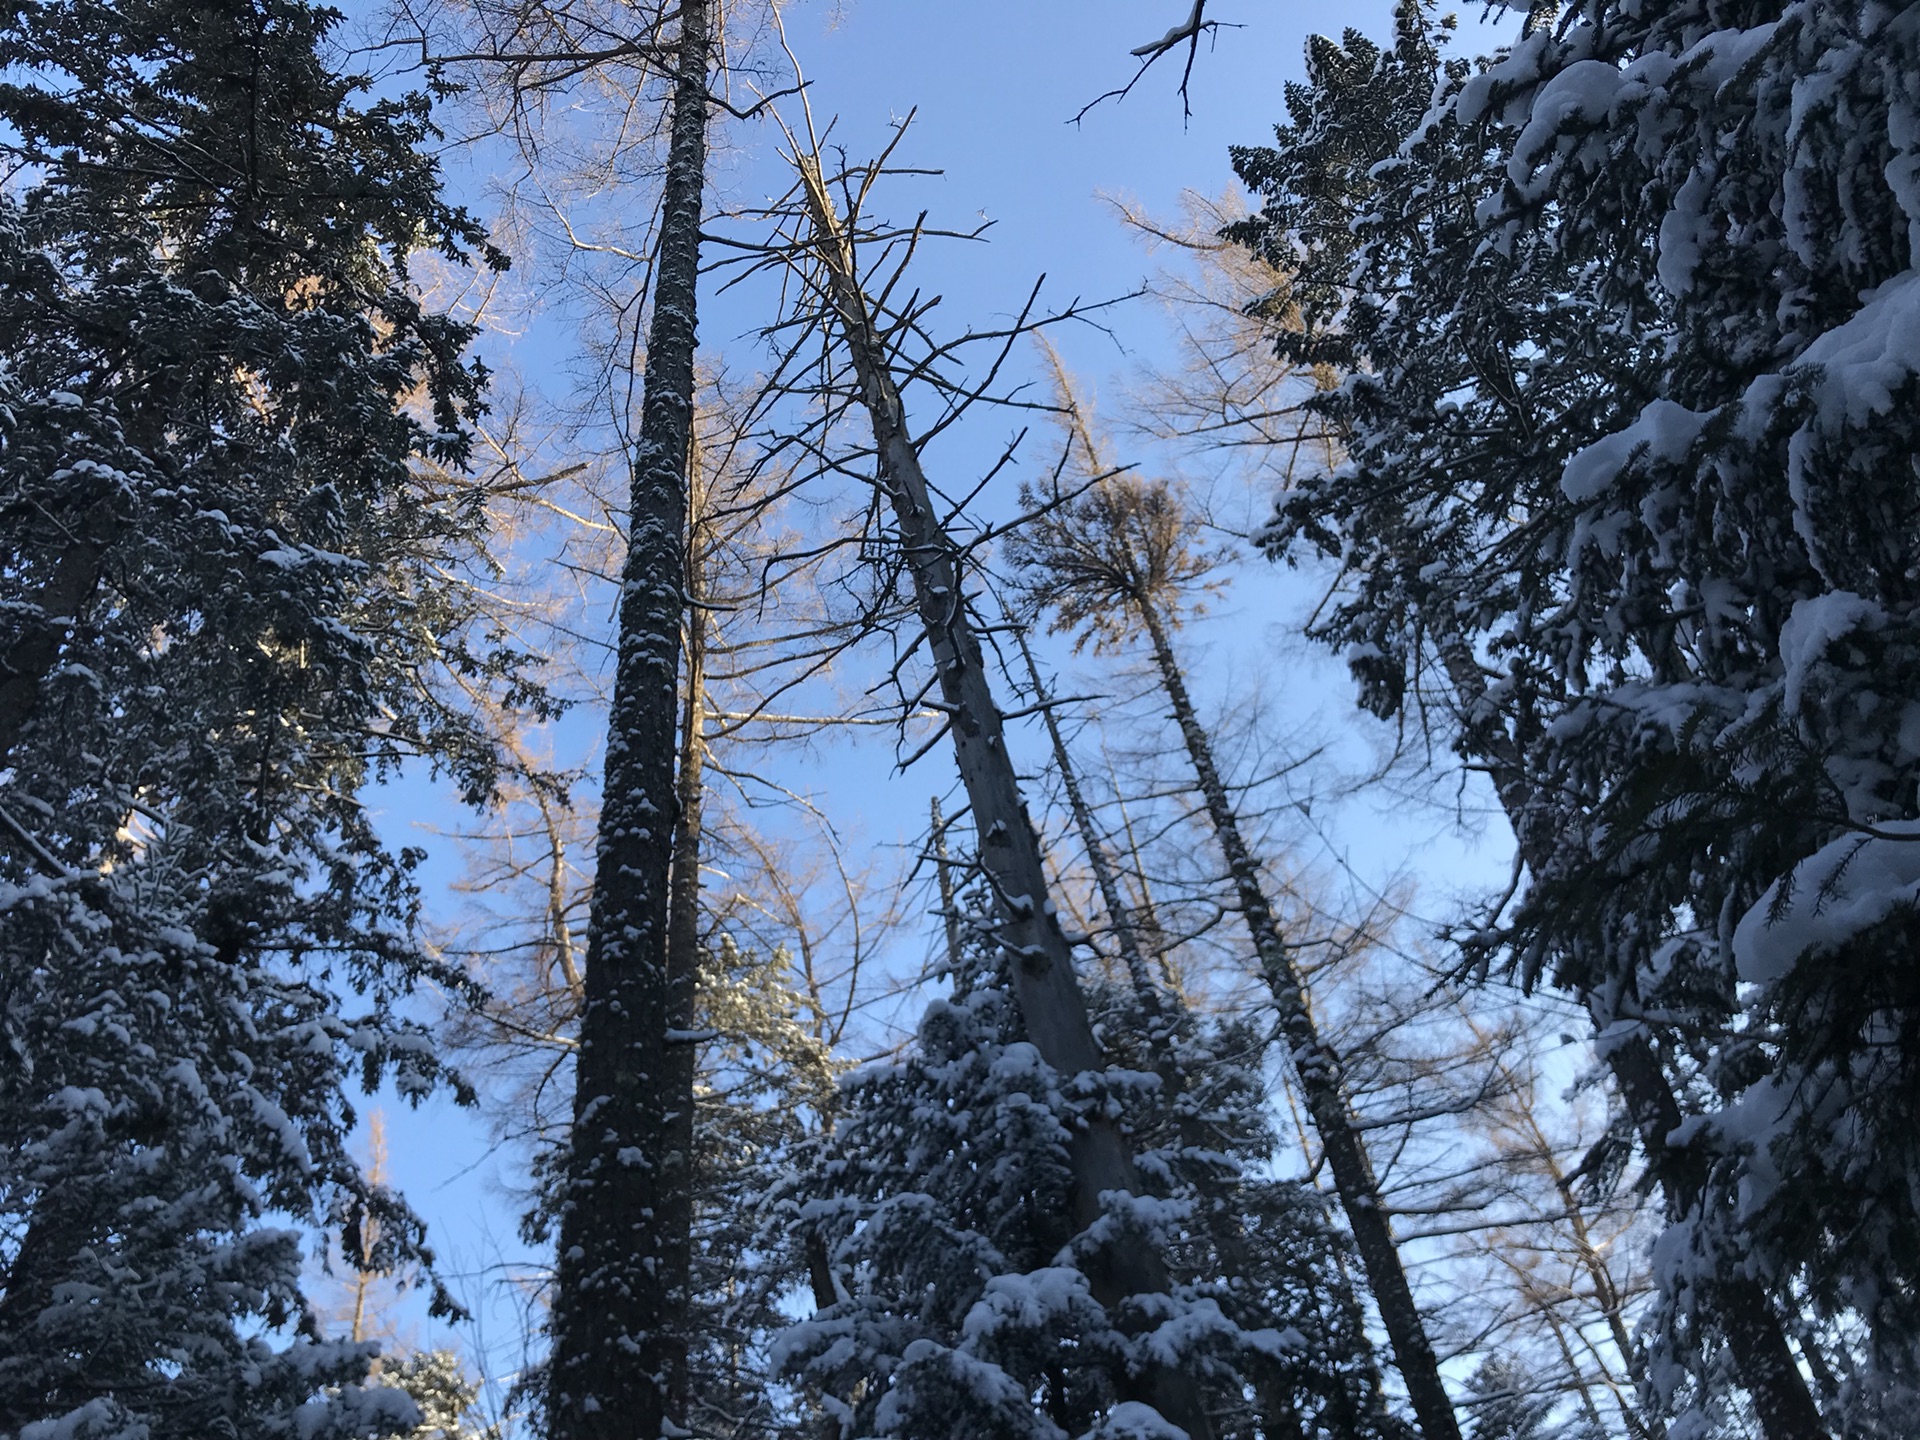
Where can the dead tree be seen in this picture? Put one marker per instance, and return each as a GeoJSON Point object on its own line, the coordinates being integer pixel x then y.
{"type": "Point", "coordinates": [943, 877]}
{"type": "Point", "coordinates": [817, 251]}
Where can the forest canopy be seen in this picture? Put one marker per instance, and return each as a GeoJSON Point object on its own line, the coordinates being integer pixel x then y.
{"type": "Point", "coordinates": [540, 580]}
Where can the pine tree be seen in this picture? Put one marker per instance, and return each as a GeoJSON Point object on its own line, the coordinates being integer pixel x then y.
{"type": "Point", "coordinates": [222, 613]}
{"type": "Point", "coordinates": [764, 1091]}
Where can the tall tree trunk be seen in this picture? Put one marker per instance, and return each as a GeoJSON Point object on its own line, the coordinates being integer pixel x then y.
{"type": "Point", "coordinates": [619, 1362]}
{"type": "Point", "coordinates": [1762, 1356]}
{"type": "Point", "coordinates": [1045, 988]}
{"type": "Point", "coordinates": [1315, 1063]}
{"type": "Point", "coordinates": [1272, 1400]}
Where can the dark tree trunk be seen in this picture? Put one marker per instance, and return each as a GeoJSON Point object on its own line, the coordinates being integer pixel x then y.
{"type": "Point", "coordinates": [619, 1366]}
{"type": "Point", "coordinates": [30, 644]}
{"type": "Point", "coordinates": [1762, 1356]}
{"type": "Point", "coordinates": [1045, 987]}
{"type": "Point", "coordinates": [1316, 1065]}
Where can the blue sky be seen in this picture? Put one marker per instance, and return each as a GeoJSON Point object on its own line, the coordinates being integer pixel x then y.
{"type": "Point", "coordinates": [995, 84]}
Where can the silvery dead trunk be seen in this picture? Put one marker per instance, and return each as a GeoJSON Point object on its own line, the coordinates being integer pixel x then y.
{"type": "Point", "coordinates": [1045, 987]}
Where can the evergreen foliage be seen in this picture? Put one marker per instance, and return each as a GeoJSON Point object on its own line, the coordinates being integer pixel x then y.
{"type": "Point", "coordinates": [1629, 314]}
{"type": "Point", "coordinates": [1503, 1406]}
{"type": "Point", "coordinates": [222, 613]}
{"type": "Point", "coordinates": [443, 1393]}
{"type": "Point", "coordinates": [959, 1305]}
{"type": "Point", "coordinates": [764, 1087]}
{"type": "Point", "coordinates": [1618, 333]}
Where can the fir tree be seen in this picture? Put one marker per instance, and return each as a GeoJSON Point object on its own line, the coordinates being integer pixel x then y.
{"type": "Point", "coordinates": [222, 613]}
{"type": "Point", "coordinates": [764, 1089]}
{"type": "Point", "coordinates": [1631, 438]}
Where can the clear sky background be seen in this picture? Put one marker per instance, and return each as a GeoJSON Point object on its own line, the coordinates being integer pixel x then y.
{"type": "Point", "coordinates": [995, 84]}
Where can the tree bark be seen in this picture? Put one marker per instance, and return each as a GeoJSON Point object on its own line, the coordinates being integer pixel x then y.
{"type": "Point", "coordinates": [943, 876]}
{"type": "Point", "coordinates": [619, 1365]}
{"type": "Point", "coordinates": [1045, 988]}
{"type": "Point", "coordinates": [1316, 1065]}
{"type": "Point", "coordinates": [1762, 1356]}
{"type": "Point", "coordinates": [31, 648]}
{"type": "Point", "coordinates": [1103, 875]}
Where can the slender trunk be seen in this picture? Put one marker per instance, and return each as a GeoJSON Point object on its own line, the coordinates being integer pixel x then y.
{"type": "Point", "coordinates": [943, 874]}
{"type": "Point", "coordinates": [1592, 1259]}
{"type": "Point", "coordinates": [1316, 1065]}
{"type": "Point", "coordinates": [1045, 988]}
{"type": "Point", "coordinates": [363, 1278]}
{"type": "Point", "coordinates": [1146, 918]}
{"type": "Point", "coordinates": [1762, 1357]}
{"type": "Point", "coordinates": [1580, 1384]}
{"type": "Point", "coordinates": [683, 915]}
{"type": "Point", "coordinates": [1612, 1308]}
{"type": "Point", "coordinates": [619, 1312]}
{"type": "Point", "coordinates": [683, 894]}
{"type": "Point", "coordinates": [1272, 1400]}
{"type": "Point", "coordinates": [1103, 875]}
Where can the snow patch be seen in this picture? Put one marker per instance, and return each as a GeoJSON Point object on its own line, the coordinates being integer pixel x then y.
{"type": "Point", "coordinates": [1131, 1420]}
{"type": "Point", "coordinates": [1841, 889]}
{"type": "Point", "coordinates": [1812, 628]}
{"type": "Point", "coordinates": [1583, 93]}
{"type": "Point", "coordinates": [1871, 355]}
{"type": "Point", "coordinates": [1662, 431]}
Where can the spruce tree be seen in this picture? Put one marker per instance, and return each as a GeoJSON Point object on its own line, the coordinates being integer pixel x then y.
{"type": "Point", "coordinates": [1628, 317]}
{"type": "Point", "coordinates": [619, 1362]}
{"type": "Point", "coordinates": [960, 1299]}
{"type": "Point", "coordinates": [222, 613]}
